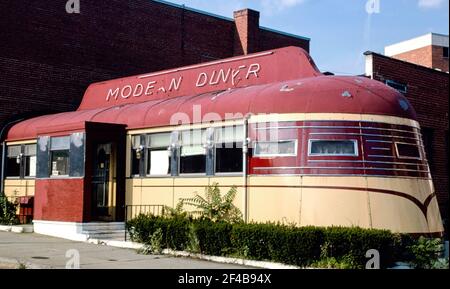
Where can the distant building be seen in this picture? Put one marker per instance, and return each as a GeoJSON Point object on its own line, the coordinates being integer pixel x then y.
{"type": "Point", "coordinates": [430, 50]}
{"type": "Point", "coordinates": [418, 68]}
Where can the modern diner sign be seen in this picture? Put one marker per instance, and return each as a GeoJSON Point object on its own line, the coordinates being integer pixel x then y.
{"type": "Point", "coordinates": [229, 77]}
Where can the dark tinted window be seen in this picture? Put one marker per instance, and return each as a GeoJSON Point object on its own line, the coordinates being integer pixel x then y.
{"type": "Point", "coordinates": [229, 158]}
{"type": "Point", "coordinates": [333, 147]}
{"type": "Point", "coordinates": [408, 151]}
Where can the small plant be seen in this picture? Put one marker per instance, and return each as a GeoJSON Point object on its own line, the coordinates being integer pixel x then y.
{"type": "Point", "coordinates": [156, 241]}
{"type": "Point", "coordinates": [426, 253]}
{"type": "Point", "coordinates": [193, 241]}
{"type": "Point", "coordinates": [8, 212]}
{"type": "Point", "coordinates": [215, 206]}
{"type": "Point", "coordinates": [177, 212]}
{"type": "Point", "coordinates": [21, 266]}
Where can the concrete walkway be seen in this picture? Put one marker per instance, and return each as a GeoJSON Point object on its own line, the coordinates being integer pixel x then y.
{"type": "Point", "coordinates": [38, 251]}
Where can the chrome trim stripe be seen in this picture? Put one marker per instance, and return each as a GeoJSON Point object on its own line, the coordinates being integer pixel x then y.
{"type": "Point", "coordinates": [338, 175]}
{"type": "Point", "coordinates": [370, 162]}
{"type": "Point", "coordinates": [337, 168]}
{"type": "Point", "coordinates": [363, 134]}
{"type": "Point", "coordinates": [337, 127]}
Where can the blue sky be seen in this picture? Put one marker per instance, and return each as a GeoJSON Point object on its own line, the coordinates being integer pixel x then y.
{"type": "Point", "coordinates": [341, 30]}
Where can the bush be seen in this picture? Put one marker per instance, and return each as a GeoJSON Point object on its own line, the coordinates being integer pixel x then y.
{"type": "Point", "coordinates": [334, 247]}
{"type": "Point", "coordinates": [356, 242]}
{"type": "Point", "coordinates": [8, 212]}
{"type": "Point", "coordinates": [426, 253]}
{"type": "Point", "coordinates": [280, 243]}
{"type": "Point", "coordinates": [213, 237]}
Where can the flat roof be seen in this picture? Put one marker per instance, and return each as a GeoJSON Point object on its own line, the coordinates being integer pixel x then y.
{"type": "Point", "coordinates": [429, 39]}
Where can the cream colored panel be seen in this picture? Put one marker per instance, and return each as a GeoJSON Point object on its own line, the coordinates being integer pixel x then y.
{"type": "Point", "coordinates": [157, 191]}
{"type": "Point", "coordinates": [333, 206]}
{"type": "Point", "coordinates": [396, 214]}
{"type": "Point", "coordinates": [188, 188]}
{"type": "Point", "coordinates": [434, 217]}
{"type": "Point", "coordinates": [274, 199]}
{"type": "Point", "coordinates": [133, 191]}
{"type": "Point", "coordinates": [419, 189]}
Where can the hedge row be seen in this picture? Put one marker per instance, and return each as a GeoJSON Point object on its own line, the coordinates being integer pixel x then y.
{"type": "Point", "coordinates": [300, 246]}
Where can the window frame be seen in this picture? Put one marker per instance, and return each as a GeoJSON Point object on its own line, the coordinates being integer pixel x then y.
{"type": "Point", "coordinates": [406, 157]}
{"type": "Point", "coordinates": [216, 173]}
{"type": "Point", "coordinates": [51, 164]}
{"type": "Point", "coordinates": [354, 141]}
{"type": "Point", "coordinates": [22, 162]}
{"type": "Point", "coordinates": [295, 154]}
{"type": "Point", "coordinates": [147, 153]}
{"type": "Point", "coordinates": [390, 81]}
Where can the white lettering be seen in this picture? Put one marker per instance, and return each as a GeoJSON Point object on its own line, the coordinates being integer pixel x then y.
{"type": "Point", "coordinates": [253, 69]}
{"type": "Point", "coordinates": [211, 81]}
{"type": "Point", "coordinates": [150, 86]}
{"type": "Point", "coordinates": [123, 91]}
{"type": "Point", "coordinates": [138, 90]}
{"type": "Point", "coordinates": [235, 74]}
{"type": "Point", "coordinates": [225, 76]}
{"type": "Point", "coordinates": [174, 85]}
{"type": "Point", "coordinates": [202, 79]}
{"type": "Point", "coordinates": [114, 93]}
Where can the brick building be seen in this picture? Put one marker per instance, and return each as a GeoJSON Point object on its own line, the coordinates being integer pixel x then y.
{"type": "Point", "coordinates": [416, 68]}
{"type": "Point", "coordinates": [49, 57]}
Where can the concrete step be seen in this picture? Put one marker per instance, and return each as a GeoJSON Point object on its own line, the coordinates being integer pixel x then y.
{"type": "Point", "coordinates": [93, 227]}
{"type": "Point", "coordinates": [105, 235]}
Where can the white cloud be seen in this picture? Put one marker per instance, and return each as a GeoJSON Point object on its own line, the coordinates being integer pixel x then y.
{"type": "Point", "coordinates": [280, 5]}
{"type": "Point", "coordinates": [430, 3]}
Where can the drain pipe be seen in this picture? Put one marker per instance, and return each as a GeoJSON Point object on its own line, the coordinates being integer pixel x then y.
{"type": "Point", "coordinates": [3, 167]}
{"type": "Point", "coordinates": [245, 168]}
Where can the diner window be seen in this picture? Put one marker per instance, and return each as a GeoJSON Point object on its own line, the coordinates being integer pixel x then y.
{"type": "Point", "coordinates": [13, 161]}
{"type": "Point", "coordinates": [136, 155]}
{"type": "Point", "coordinates": [158, 155]}
{"type": "Point", "coordinates": [333, 148]}
{"type": "Point", "coordinates": [284, 148]}
{"type": "Point", "coordinates": [229, 141]}
{"type": "Point", "coordinates": [29, 161]}
{"type": "Point", "coordinates": [408, 151]}
{"type": "Point", "coordinates": [193, 154]}
{"type": "Point", "coordinates": [60, 156]}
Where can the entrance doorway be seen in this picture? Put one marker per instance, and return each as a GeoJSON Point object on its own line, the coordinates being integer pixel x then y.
{"type": "Point", "coordinates": [103, 185]}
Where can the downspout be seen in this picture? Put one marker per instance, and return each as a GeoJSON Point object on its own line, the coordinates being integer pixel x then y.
{"type": "Point", "coordinates": [245, 168]}
{"type": "Point", "coordinates": [3, 167]}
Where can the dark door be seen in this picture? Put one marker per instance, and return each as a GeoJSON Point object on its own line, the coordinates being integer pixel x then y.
{"type": "Point", "coordinates": [101, 182]}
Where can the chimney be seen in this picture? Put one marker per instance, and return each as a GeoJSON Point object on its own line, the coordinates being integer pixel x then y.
{"type": "Point", "coordinates": [247, 31]}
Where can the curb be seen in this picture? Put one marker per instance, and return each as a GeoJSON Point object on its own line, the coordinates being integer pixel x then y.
{"type": "Point", "coordinates": [17, 229]}
{"type": "Point", "coordinates": [217, 259]}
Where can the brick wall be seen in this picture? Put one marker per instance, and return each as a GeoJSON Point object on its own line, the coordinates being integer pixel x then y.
{"type": "Point", "coordinates": [427, 90]}
{"type": "Point", "coordinates": [49, 57]}
{"type": "Point", "coordinates": [429, 56]}
{"type": "Point", "coordinates": [438, 58]}
{"type": "Point", "coordinates": [421, 56]}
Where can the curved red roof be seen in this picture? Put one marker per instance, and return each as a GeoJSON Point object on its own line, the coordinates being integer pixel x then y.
{"type": "Point", "coordinates": [312, 94]}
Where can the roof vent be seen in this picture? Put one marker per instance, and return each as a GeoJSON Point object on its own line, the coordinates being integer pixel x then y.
{"type": "Point", "coordinates": [347, 94]}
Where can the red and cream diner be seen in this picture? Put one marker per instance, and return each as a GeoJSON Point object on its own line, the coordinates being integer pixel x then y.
{"type": "Point", "coordinates": [300, 147]}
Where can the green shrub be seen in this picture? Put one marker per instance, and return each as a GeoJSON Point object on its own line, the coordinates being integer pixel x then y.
{"type": "Point", "coordinates": [335, 247]}
{"type": "Point", "coordinates": [213, 237]}
{"type": "Point", "coordinates": [357, 241]}
{"type": "Point", "coordinates": [426, 253]}
{"type": "Point", "coordinates": [280, 243]}
{"type": "Point", "coordinates": [8, 212]}
{"type": "Point", "coordinates": [215, 206]}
